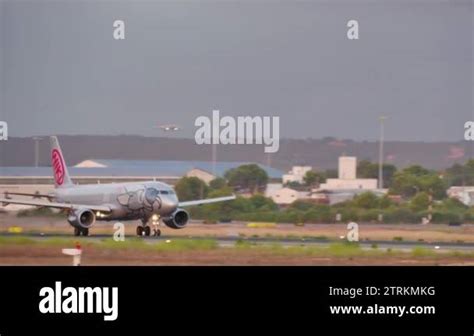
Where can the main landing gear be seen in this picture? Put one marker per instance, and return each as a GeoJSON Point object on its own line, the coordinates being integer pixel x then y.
{"type": "Point", "coordinates": [145, 230]}
{"type": "Point", "coordinates": [81, 231]}
{"type": "Point", "coordinates": [156, 232]}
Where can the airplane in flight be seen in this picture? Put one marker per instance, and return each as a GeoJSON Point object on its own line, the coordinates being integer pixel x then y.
{"type": "Point", "coordinates": [169, 127]}
{"type": "Point", "coordinates": [87, 203]}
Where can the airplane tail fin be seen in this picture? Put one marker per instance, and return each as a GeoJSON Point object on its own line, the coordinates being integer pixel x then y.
{"type": "Point", "coordinates": [60, 173]}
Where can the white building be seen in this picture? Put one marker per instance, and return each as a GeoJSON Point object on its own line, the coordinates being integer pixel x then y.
{"type": "Point", "coordinates": [340, 195]}
{"type": "Point", "coordinates": [296, 174]}
{"type": "Point", "coordinates": [201, 174]}
{"type": "Point", "coordinates": [463, 194]}
{"type": "Point", "coordinates": [285, 196]}
{"type": "Point", "coordinates": [347, 169]}
{"type": "Point", "coordinates": [347, 177]}
{"type": "Point", "coordinates": [365, 184]}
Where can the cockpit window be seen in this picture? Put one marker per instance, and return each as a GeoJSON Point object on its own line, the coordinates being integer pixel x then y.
{"type": "Point", "coordinates": [167, 192]}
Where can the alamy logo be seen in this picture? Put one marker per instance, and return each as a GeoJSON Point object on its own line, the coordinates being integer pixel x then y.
{"type": "Point", "coordinates": [3, 130]}
{"type": "Point", "coordinates": [58, 166]}
{"type": "Point", "coordinates": [81, 300]}
{"type": "Point", "coordinates": [240, 130]}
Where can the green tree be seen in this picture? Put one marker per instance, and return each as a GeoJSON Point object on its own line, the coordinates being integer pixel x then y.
{"type": "Point", "coordinates": [312, 178]}
{"type": "Point", "coordinates": [385, 202]}
{"type": "Point", "coordinates": [260, 202]}
{"type": "Point", "coordinates": [367, 169]}
{"type": "Point", "coordinates": [366, 200]}
{"type": "Point", "coordinates": [452, 204]}
{"type": "Point", "coordinates": [434, 185]}
{"type": "Point", "coordinates": [249, 176]}
{"type": "Point", "coordinates": [414, 179]}
{"type": "Point", "coordinates": [301, 205]}
{"type": "Point", "coordinates": [191, 188]}
{"type": "Point", "coordinates": [459, 175]}
{"type": "Point", "coordinates": [416, 170]}
{"type": "Point", "coordinates": [218, 183]}
{"type": "Point", "coordinates": [420, 201]}
{"type": "Point", "coordinates": [220, 210]}
{"type": "Point", "coordinates": [294, 185]}
{"type": "Point", "coordinates": [388, 171]}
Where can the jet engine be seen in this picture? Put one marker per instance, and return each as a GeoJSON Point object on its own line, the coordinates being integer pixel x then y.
{"type": "Point", "coordinates": [177, 220]}
{"type": "Point", "coordinates": [81, 218]}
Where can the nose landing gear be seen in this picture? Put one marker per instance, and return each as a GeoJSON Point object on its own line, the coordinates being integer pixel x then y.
{"type": "Point", "coordinates": [155, 221]}
{"type": "Point", "coordinates": [145, 230]}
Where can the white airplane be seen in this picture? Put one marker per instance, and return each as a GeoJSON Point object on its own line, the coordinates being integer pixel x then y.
{"type": "Point", "coordinates": [169, 127]}
{"type": "Point", "coordinates": [115, 201]}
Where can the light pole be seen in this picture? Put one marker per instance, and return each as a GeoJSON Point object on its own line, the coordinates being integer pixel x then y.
{"type": "Point", "coordinates": [382, 119]}
{"type": "Point", "coordinates": [214, 159]}
{"type": "Point", "coordinates": [269, 159]}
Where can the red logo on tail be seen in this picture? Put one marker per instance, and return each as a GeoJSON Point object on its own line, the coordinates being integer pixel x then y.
{"type": "Point", "coordinates": [58, 166]}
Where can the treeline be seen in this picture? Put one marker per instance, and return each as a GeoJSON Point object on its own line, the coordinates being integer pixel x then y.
{"type": "Point", "coordinates": [364, 208]}
{"type": "Point", "coordinates": [422, 193]}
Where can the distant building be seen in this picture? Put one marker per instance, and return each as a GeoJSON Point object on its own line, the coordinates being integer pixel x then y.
{"type": "Point", "coordinates": [201, 174]}
{"type": "Point", "coordinates": [340, 195]}
{"type": "Point", "coordinates": [272, 188]}
{"type": "Point", "coordinates": [347, 177]}
{"type": "Point", "coordinates": [92, 164]}
{"type": "Point", "coordinates": [285, 196]}
{"type": "Point", "coordinates": [347, 185]}
{"type": "Point", "coordinates": [296, 174]}
{"type": "Point", "coordinates": [462, 194]}
{"type": "Point", "coordinates": [362, 184]}
{"type": "Point", "coordinates": [347, 168]}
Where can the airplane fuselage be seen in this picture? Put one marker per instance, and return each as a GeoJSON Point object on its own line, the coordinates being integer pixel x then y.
{"type": "Point", "coordinates": [127, 201]}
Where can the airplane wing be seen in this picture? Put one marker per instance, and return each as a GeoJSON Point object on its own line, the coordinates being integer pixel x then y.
{"type": "Point", "coordinates": [7, 201]}
{"type": "Point", "coordinates": [207, 201]}
{"type": "Point", "coordinates": [34, 195]}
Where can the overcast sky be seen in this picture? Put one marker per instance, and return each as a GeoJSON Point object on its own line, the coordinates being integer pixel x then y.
{"type": "Point", "coordinates": [63, 73]}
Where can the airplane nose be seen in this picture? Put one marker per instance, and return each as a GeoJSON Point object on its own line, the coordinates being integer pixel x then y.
{"type": "Point", "coordinates": [169, 203]}
{"type": "Point", "coordinates": [174, 202]}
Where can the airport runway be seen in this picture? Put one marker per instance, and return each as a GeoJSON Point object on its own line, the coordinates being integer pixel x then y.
{"type": "Point", "coordinates": [229, 241]}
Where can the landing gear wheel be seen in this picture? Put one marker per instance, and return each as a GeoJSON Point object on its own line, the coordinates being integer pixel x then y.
{"type": "Point", "coordinates": [147, 230]}
{"type": "Point", "coordinates": [81, 232]}
{"type": "Point", "coordinates": [139, 231]}
{"type": "Point", "coordinates": [156, 232]}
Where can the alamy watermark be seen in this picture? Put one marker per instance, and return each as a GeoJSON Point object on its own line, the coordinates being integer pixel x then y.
{"type": "Point", "coordinates": [3, 131]}
{"type": "Point", "coordinates": [469, 131]}
{"type": "Point", "coordinates": [240, 130]}
{"type": "Point", "coordinates": [118, 32]}
{"type": "Point", "coordinates": [352, 232]}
